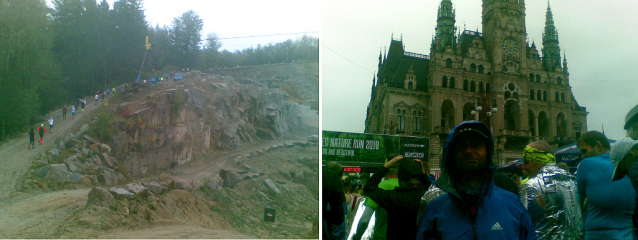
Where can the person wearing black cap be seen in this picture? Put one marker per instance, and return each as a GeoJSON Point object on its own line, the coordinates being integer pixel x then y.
{"type": "Point", "coordinates": [472, 207]}
{"type": "Point", "coordinates": [401, 203]}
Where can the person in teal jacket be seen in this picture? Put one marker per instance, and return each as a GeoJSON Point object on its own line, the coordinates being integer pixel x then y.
{"type": "Point", "coordinates": [472, 207]}
{"type": "Point", "coordinates": [610, 204]}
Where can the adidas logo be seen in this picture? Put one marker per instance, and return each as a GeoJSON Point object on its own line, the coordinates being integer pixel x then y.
{"type": "Point", "coordinates": [497, 226]}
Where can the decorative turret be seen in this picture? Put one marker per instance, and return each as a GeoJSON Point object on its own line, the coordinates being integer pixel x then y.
{"type": "Point", "coordinates": [565, 63]}
{"type": "Point", "coordinates": [445, 29]}
{"type": "Point", "coordinates": [551, 50]}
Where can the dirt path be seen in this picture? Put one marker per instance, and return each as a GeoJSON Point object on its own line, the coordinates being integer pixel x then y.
{"type": "Point", "coordinates": [15, 158]}
{"type": "Point", "coordinates": [38, 215]}
{"type": "Point", "coordinates": [174, 231]}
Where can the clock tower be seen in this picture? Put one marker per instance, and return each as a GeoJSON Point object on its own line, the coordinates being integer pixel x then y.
{"type": "Point", "coordinates": [505, 34]}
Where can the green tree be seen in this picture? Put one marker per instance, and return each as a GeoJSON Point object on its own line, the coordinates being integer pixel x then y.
{"type": "Point", "coordinates": [211, 51]}
{"type": "Point", "coordinates": [29, 76]}
{"type": "Point", "coordinates": [186, 38]}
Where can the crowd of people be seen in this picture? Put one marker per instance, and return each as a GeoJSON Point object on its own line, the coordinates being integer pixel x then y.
{"type": "Point", "coordinates": [470, 200]}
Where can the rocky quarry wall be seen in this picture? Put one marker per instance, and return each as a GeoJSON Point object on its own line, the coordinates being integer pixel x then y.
{"type": "Point", "coordinates": [158, 129]}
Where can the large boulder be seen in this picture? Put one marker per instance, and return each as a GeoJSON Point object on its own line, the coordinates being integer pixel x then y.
{"type": "Point", "coordinates": [58, 173]}
{"type": "Point", "coordinates": [121, 193]}
{"type": "Point", "coordinates": [155, 187]}
{"type": "Point", "coordinates": [230, 178]}
{"type": "Point", "coordinates": [100, 197]}
{"type": "Point", "coordinates": [76, 177]}
{"type": "Point", "coordinates": [108, 160]}
{"type": "Point", "coordinates": [271, 185]}
{"type": "Point", "coordinates": [107, 178]}
{"type": "Point", "coordinates": [105, 148]}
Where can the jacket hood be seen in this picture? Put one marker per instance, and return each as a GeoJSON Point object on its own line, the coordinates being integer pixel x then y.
{"type": "Point", "coordinates": [447, 158]}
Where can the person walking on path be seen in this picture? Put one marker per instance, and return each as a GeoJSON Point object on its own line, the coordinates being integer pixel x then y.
{"type": "Point", "coordinates": [550, 195]}
{"type": "Point", "coordinates": [83, 102]}
{"type": "Point", "coordinates": [31, 139]}
{"type": "Point", "coordinates": [64, 113]}
{"type": "Point", "coordinates": [41, 131]}
{"type": "Point", "coordinates": [51, 124]}
{"type": "Point", "coordinates": [73, 112]}
{"type": "Point", "coordinates": [610, 204]}
{"type": "Point", "coordinates": [473, 206]}
{"type": "Point", "coordinates": [401, 203]}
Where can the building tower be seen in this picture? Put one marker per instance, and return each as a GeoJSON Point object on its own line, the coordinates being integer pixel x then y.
{"type": "Point", "coordinates": [445, 29]}
{"type": "Point", "coordinates": [551, 50]}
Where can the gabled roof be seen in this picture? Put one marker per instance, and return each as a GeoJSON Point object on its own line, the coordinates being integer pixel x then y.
{"type": "Point", "coordinates": [466, 39]}
{"type": "Point", "coordinates": [420, 66]}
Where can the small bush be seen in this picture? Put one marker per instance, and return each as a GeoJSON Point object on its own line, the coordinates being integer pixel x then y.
{"type": "Point", "coordinates": [103, 126]}
{"type": "Point", "coordinates": [177, 99]}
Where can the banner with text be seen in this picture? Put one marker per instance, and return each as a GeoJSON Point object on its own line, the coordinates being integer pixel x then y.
{"type": "Point", "coordinates": [370, 148]}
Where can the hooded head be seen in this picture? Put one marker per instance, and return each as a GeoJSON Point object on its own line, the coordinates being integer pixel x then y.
{"type": "Point", "coordinates": [409, 171]}
{"type": "Point", "coordinates": [467, 135]}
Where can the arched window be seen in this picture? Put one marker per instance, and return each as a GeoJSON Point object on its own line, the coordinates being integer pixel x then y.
{"type": "Point", "coordinates": [531, 77]}
{"type": "Point", "coordinates": [561, 125]}
{"type": "Point", "coordinates": [467, 111]}
{"type": "Point", "coordinates": [410, 85]}
{"type": "Point", "coordinates": [557, 96]}
{"type": "Point", "coordinates": [543, 124]}
{"type": "Point", "coordinates": [511, 115]}
{"type": "Point", "coordinates": [507, 94]}
{"type": "Point", "coordinates": [452, 82]}
{"type": "Point", "coordinates": [465, 85]}
{"type": "Point", "coordinates": [473, 86]}
{"type": "Point", "coordinates": [403, 111]}
{"type": "Point", "coordinates": [515, 95]}
{"type": "Point", "coordinates": [538, 78]}
{"type": "Point", "coordinates": [488, 88]}
{"type": "Point", "coordinates": [531, 94]}
{"type": "Point", "coordinates": [480, 69]}
{"type": "Point", "coordinates": [448, 63]}
{"type": "Point", "coordinates": [545, 96]}
{"type": "Point", "coordinates": [447, 114]}
{"type": "Point", "coordinates": [398, 111]}
{"type": "Point", "coordinates": [444, 81]}
{"type": "Point", "coordinates": [562, 97]}
{"type": "Point", "coordinates": [538, 95]}
{"type": "Point", "coordinates": [559, 81]}
{"type": "Point", "coordinates": [473, 67]}
{"type": "Point", "coordinates": [532, 122]}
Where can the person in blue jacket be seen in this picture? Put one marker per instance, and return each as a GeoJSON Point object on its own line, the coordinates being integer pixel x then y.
{"type": "Point", "coordinates": [608, 205]}
{"type": "Point", "coordinates": [472, 207]}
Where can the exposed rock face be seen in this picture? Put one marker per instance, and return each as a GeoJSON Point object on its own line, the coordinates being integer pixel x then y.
{"type": "Point", "coordinates": [218, 113]}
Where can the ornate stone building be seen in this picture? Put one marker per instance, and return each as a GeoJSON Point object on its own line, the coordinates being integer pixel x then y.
{"type": "Point", "coordinates": [496, 77]}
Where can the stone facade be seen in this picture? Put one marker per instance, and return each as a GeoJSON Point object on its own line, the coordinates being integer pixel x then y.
{"type": "Point", "coordinates": [524, 94]}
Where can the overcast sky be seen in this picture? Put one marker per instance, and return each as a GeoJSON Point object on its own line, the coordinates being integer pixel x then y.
{"type": "Point", "coordinates": [241, 18]}
{"type": "Point", "coordinates": [600, 39]}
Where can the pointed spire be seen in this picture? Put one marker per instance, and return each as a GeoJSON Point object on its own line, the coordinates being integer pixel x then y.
{"type": "Point", "coordinates": [445, 29]}
{"type": "Point", "coordinates": [565, 62]}
{"type": "Point", "coordinates": [551, 50]}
